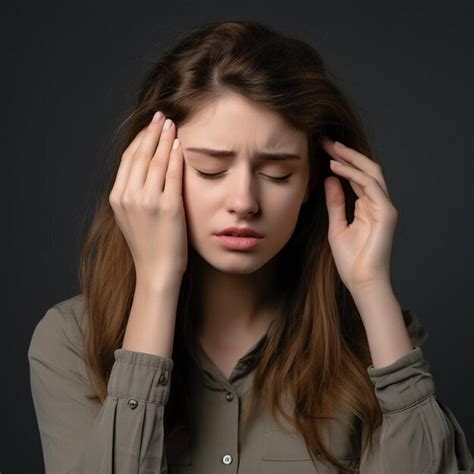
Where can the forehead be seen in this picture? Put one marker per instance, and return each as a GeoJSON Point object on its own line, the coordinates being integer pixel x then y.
{"type": "Point", "coordinates": [235, 123]}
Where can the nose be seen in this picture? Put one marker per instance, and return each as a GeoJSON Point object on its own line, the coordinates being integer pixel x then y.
{"type": "Point", "coordinates": [242, 194]}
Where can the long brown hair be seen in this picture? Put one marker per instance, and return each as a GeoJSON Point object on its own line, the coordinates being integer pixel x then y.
{"type": "Point", "coordinates": [317, 352]}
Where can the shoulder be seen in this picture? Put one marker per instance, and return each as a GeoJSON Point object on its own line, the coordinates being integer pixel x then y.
{"type": "Point", "coordinates": [60, 329]}
{"type": "Point", "coordinates": [416, 330]}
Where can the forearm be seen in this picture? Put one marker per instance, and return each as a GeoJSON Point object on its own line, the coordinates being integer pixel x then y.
{"type": "Point", "coordinates": [151, 324]}
{"type": "Point", "coordinates": [384, 324]}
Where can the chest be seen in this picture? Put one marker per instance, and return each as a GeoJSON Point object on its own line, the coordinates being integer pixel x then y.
{"type": "Point", "coordinates": [215, 442]}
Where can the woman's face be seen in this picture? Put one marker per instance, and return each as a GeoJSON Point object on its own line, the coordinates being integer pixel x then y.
{"type": "Point", "coordinates": [244, 193]}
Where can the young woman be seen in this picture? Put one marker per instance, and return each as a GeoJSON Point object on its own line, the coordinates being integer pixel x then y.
{"type": "Point", "coordinates": [282, 350]}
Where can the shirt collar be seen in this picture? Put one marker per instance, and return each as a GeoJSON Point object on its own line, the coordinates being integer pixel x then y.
{"type": "Point", "coordinates": [212, 376]}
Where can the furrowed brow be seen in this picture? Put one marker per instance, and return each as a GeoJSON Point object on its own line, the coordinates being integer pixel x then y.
{"type": "Point", "coordinates": [261, 156]}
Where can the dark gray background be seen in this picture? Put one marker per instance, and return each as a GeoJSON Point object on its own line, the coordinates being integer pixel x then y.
{"type": "Point", "coordinates": [69, 73]}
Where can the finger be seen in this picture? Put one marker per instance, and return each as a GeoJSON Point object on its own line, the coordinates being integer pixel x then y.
{"type": "Point", "coordinates": [357, 189]}
{"type": "Point", "coordinates": [174, 175]}
{"type": "Point", "coordinates": [349, 156]}
{"type": "Point", "coordinates": [125, 164]}
{"type": "Point", "coordinates": [159, 164]}
{"type": "Point", "coordinates": [369, 184]}
{"type": "Point", "coordinates": [136, 141]}
{"type": "Point", "coordinates": [163, 151]}
{"type": "Point", "coordinates": [336, 206]}
{"type": "Point", "coordinates": [328, 145]}
{"type": "Point", "coordinates": [143, 154]}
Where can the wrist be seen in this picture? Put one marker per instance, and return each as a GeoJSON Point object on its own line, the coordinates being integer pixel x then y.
{"type": "Point", "coordinates": [168, 285]}
{"type": "Point", "coordinates": [382, 284]}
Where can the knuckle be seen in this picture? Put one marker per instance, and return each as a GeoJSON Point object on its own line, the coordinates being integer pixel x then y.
{"type": "Point", "coordinates": [155, 162]}
{"type": "Point", "coordinates": [167, 207]}
{"type": "Point", "coordinates": [149, 204]}
{"type": "Point", "coordinates": [127, 200]}
{"type": "Point", "coordinates": [164, 147]}
{"type": "Point", "coordinates": [140, 154]}
{"type": "Point", "coordinates": [126, 155]}
{"type": "Point", "coordinates": [377, 171]}
{"type": "Point", "coordinates": [168, 136]}
{"type": "Point", "coordinates": [392, 212]}
{"type": "Point", "coordinates": [113, 201]}
{"type": "Point", "coordinates": [172, 173]}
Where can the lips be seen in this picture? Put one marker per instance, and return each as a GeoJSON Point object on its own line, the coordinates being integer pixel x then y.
{"type": "Point", "coordinates": [240, 232]}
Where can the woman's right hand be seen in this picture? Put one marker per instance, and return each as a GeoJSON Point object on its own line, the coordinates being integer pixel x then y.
{"type": "Point", "coordinates": [148, 205]}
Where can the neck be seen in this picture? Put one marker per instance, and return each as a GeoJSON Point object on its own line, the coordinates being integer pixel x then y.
{"type": "Point", "coordinates": [233, 307]}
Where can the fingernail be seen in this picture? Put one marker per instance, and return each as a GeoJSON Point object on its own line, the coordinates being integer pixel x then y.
{"type": "Point", "coordinates": [339, 144]}
{"type": "Point", "coordinates": [167, 124]}
{"type": "Point", "coordinates": [157, 116]}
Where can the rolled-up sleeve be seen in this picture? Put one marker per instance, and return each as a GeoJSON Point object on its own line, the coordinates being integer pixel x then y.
{"type": "Point", "coordinates": [125, 434]}
{"type": "Point", "coordinates": [418, 434]}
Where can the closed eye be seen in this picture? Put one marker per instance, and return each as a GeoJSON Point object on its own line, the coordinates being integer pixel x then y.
{"type": "Point", "coordinates": [219, 175]}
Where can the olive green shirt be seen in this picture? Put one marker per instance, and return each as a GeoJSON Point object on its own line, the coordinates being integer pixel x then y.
{"type": "Point", "coordinates": [125, 434]}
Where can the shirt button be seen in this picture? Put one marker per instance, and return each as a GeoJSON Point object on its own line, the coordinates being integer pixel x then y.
{"type": "Point", "coordinates": [227, 459]}
{"type": "Point", "coordinates": [229, 397]}
{"type": "Point", "coordinates": [132, 403]}
{"type": "Point", "coordinates": [163, 379]}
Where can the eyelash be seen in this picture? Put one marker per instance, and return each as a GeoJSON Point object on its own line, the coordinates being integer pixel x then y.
{"type": "Point", "coordinates": [218, 175]}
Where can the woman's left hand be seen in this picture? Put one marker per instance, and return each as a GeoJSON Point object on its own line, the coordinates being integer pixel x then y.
{"type": "Point", "coordinates": [361, 249]}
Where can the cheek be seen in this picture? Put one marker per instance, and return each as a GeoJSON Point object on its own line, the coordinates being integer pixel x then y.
{"type": "Point", "coordinates": [199, 203]}
{"type": "Point", "coordinates": [283, 208]}
{"type": "Point", "coordinates": [196, 192]}
{"type": "Point", "coordinates": [283, 204]}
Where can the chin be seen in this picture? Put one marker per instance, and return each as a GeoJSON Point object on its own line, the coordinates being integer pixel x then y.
{"type": "Point", "coordinates": [233, 261]}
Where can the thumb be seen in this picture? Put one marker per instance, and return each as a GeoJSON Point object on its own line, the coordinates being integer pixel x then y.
{"type": "Point", "coordinates": [335, 203]}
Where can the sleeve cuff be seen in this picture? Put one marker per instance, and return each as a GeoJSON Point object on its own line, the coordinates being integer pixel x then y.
{"type": "Point", "coordinates": [404, 383]}
{"type": "Point", "coordinates": [142, 376]}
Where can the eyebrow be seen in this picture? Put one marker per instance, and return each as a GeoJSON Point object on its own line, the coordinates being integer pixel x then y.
{"type": "Point", "coordinates": [265, 156]}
